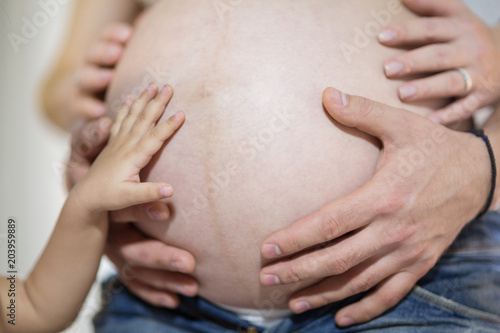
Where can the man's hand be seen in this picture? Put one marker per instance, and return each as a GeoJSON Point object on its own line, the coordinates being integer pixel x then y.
{"type": "Point", "coordinates": [428, 183]}
{"type": "Point", "coordinates": [94, 76]}
{"type": "Point", "coordinates": [151, 269]}
{"type": "Point", "coordinates": [446, 37]}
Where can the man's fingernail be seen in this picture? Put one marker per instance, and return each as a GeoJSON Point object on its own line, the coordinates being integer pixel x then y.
{"type": "Point", "coordinates": [179, 266]}
{"type": "Point", "coordinates": [270, 280]}
{"type": "Point", "coordinates": [339, 97]}
{"type": "Point", "coordinates": [407, 91]}
{"type": "Point", "coordinates": [271, 250]}
{"type": "Point", "coordinates": [166, 191]}
{"type": "Point", "coordinates": [346, 321]}
{"type": "Point", "coordinates": [105, 75]}
{"type": "Point", "coordinates": [302, 306]}
{"type": "Point", "coordinates": [387, 35]}
{"type": "Point", "coordinates": [165, 303]}
{"type": "Point", "coordinates": [180, 288]}
{"type": "Point", "coordinates": [113, 53]}
{"type": "Point", "coordinates": [123, 34]}
{"type": "Point", "coordinates": [155, 214]}
{"type": "Point", "coordinates": [100, 110]}
{"type": "Point", "coordinates": [393, 68]}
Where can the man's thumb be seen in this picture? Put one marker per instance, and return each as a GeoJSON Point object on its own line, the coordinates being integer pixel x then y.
{"type": "Point", "coordinates": [379, 120]}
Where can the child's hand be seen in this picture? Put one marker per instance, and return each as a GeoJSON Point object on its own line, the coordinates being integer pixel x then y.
{"type": "Point", "coordinates": [448, 37]}
{"type": "Point", "coordinates": [113, 181]}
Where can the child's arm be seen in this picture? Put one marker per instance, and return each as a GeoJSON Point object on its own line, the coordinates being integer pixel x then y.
{"type": "Point", "coordinates": [53, 293]}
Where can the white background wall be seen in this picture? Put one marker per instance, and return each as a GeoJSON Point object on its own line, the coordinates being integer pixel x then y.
{"type": "Point", "coordinates": [32, 150]}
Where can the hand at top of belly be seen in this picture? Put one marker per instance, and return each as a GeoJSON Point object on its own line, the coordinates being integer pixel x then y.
{"type": "Point", "coordinates": [392, 230]}
{"type": "Point", "coordinates": [453, 37]}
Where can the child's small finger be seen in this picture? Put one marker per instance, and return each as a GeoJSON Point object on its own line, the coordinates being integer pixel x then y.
{"type": "Point", "coordinates": [121, 115]}
{"type": "Point", "coordinates": [139, 105]}
{"type": "Point", "coordinates": [155, 138]}
{"type": "Point", "coordinates": [153, 111]}
{"type": "Point", "coordinates": [135, 194]}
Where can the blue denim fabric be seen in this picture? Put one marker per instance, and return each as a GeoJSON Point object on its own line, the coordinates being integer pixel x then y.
{"type": "Point", "coordinates": [460, 294]}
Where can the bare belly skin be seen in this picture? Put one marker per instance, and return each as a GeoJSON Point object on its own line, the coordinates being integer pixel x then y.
{"type": "Point", "coordinates": [257, 151]}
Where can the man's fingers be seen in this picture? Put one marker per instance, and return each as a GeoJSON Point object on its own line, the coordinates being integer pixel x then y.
{"type": "Point", "coordinates": [91, 138]}
{"type": "Point", "coordinates": [128, 245]}
{"type": "Point", "coordinates": [387, 294]}
{"type": "Point", "coordinates": [334, 220]}
{"type": "Point", "coordinates": [117, 32]}
{"type": "Point", "coordinates": [89, 107]}
{"type": "Point", "coordinates": [166, 281]}
{"type": "Point", "coordinates": [442, 85]}
{"type": "Point", "coordinates": [153, 296]}
{"type": "Point", "coordinates": [104, 53]}
{"type": "Point", "coordinates": [420, 31]}
{"type": "Point", "coordinates": [427, 59]}
{"type": "Point", "coordinates": [387, 123]}
{"type": "Point", "coordinates": [94, 79]}
{"type": "Point", "coordinates": [149, 212]}
{"type": "Point", "coordinates": [435, 8]}
{"type": "Point", "coordinates": [359, 279]}
{"type": "Point", "coordinates": [333, 259]}
{"type": "Point", "coordinates": [461, 109]}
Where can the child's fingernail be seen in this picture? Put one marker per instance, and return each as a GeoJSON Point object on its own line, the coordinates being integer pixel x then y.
{"type": "Point", "coordinates": [164, 89]}
{"type": "Point", "coordinates": [407, 91]}
{"type": "Point", "coordinates": [346, 321]}
{"type": "Point", "coordinates": [393, 68]}
{"type": "Point", "coordinates": [302, 306]}
{"type": "Point", "coordinates": [339, 97]}
{"type": "Point", "coordinates": [178, 115]}
{"type": "Point", "coordinates": [166, 191]}
{"type": "Point", "coordinates": [129, 100]}
{"type": "Point", "coordinates": [387, 35]}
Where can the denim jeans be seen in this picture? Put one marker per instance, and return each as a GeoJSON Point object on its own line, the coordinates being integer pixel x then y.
{"type": "Point", "coordinates": [460, 294]}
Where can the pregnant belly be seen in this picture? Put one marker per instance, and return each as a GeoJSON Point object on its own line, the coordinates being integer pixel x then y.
{"type": "Point", "coordinates": [257, 151]}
